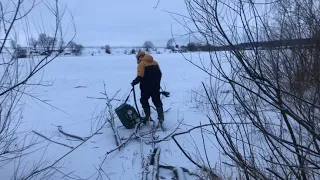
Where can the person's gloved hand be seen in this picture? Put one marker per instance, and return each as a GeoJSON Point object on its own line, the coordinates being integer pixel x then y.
{"type": "Point", "coordinates": [134, 82]}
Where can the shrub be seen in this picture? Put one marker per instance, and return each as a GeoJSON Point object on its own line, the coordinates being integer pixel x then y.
{"type": "Point", "coordinates": [148, 45]}
{"type": "Point", "coordinates": [107, 49]}
{"type": "Point", "coordinates": [46, 42]}
{"type": "Point", "coordinates": [170, 44]}
{"type": "Point", "coordinates": [192, 46]}
{"type": "Point", "coordinates": [77, 49]}
{"type": "Point", "coordinates": [20, 52]}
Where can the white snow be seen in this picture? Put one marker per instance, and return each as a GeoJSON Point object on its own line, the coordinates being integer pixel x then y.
{"type": "Point", "coordinates": [77, 114]}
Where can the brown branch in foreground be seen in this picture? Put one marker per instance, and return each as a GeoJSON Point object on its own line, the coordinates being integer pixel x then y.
{"type": "Point", "coordinates": [111, 115]}
{"type": "Point", "coordinates": [179, 173]}
{"type": "Point", "coordinates": [257, 79]}
{"type": "Point", "coordinates": [150, 168]}
{"type": "Point", "coordinates": [115, 132]}
{"type": "Point", "coordinates": [157, 4]}
{"type": "Point", "coordinates": [183, 169]}
{"type": "Point", "coordinates": [101, 98]}
{"type": "Point", "coordinates": [145, 167]}
{"type": "Point", "coordinates": [126, 142]}
{"type": "Point", "coordinates": [121, 145]}
{"type": "Point", "coordinates": [35, 173]}
{"type": "Point", "coordinates": [188, 156]}
{"type": "Point", "coordinates": [169, 135]}
{"type": "Point", "coordinates": [51, 140]}
{"type": "Point", "coordinates": [18, 78]}
{"type": "Point", "coordinates": [70, 135]}
{"type": "Point", "coordinates": [110, 111]}
{"type": "Point", "coordinates": [155, 163]}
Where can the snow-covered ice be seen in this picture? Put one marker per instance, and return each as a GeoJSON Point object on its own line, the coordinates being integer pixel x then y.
{"type": "Point", "coordinates": [74, 80]}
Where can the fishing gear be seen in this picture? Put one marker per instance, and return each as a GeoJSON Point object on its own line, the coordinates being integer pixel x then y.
{"type": "Point", "coordinates": [165, 93]}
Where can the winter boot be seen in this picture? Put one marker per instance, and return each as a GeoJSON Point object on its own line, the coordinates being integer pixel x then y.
{"type": "Point", "coordinates": [160, 113]}
{"type": "Point", "coordinates": [147, 115]}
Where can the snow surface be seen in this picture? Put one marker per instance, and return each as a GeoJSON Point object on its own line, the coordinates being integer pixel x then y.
{"type": "Point", "coordinates": [73, 80]}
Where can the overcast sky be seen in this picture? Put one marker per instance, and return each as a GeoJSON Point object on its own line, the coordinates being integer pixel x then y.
{"type": "Point", "coordinates": [115, 22]}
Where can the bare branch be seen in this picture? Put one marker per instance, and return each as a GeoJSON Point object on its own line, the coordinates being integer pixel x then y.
{"type": "Point", "coordinates": [51, 140]}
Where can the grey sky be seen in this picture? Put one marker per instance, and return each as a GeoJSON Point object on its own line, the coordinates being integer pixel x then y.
{"type": "Point", "coordinates": [117, 22]}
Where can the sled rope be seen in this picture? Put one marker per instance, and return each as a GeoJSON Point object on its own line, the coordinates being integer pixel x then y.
{"type": "Point", "coordinates": [135, 101]}
{"type": "Point", "coordinates": [128, 95]}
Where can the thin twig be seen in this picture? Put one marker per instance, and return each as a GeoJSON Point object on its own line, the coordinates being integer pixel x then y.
{"type": "Point", "coordinates": [126, 142]}
{"type": "Point", "coordinates": [70, 135]}
{"type": "Point", "coordinates": [51, 140]}
{"type": "Point", "coordinates": [62, 157]}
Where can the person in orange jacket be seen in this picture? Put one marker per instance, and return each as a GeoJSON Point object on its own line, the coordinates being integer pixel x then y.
{"type": "Point", "coordinates": [149, 76]}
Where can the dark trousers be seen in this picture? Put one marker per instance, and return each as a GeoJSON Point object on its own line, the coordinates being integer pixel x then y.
{"type": "Point", "coordinates": [154, 93]}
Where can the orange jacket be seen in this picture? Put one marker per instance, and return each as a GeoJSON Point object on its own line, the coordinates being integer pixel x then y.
{"type": "Point", "coordinates": [147, 62]}
{"type": "Point", "coordinates": [148, 73]}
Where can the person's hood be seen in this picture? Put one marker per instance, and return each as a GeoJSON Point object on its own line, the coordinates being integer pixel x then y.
{"type": "Point", "coordinates": [140, 53]}
{"type": "Point", "coordinates": [147, 58]}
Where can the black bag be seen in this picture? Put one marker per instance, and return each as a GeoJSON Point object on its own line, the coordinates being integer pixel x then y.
{"type": "Point", "coordinates": [127, 115]}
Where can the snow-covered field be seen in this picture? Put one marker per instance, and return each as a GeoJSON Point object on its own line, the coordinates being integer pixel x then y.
{"type": "Point", "coordinates": [75, 82]}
